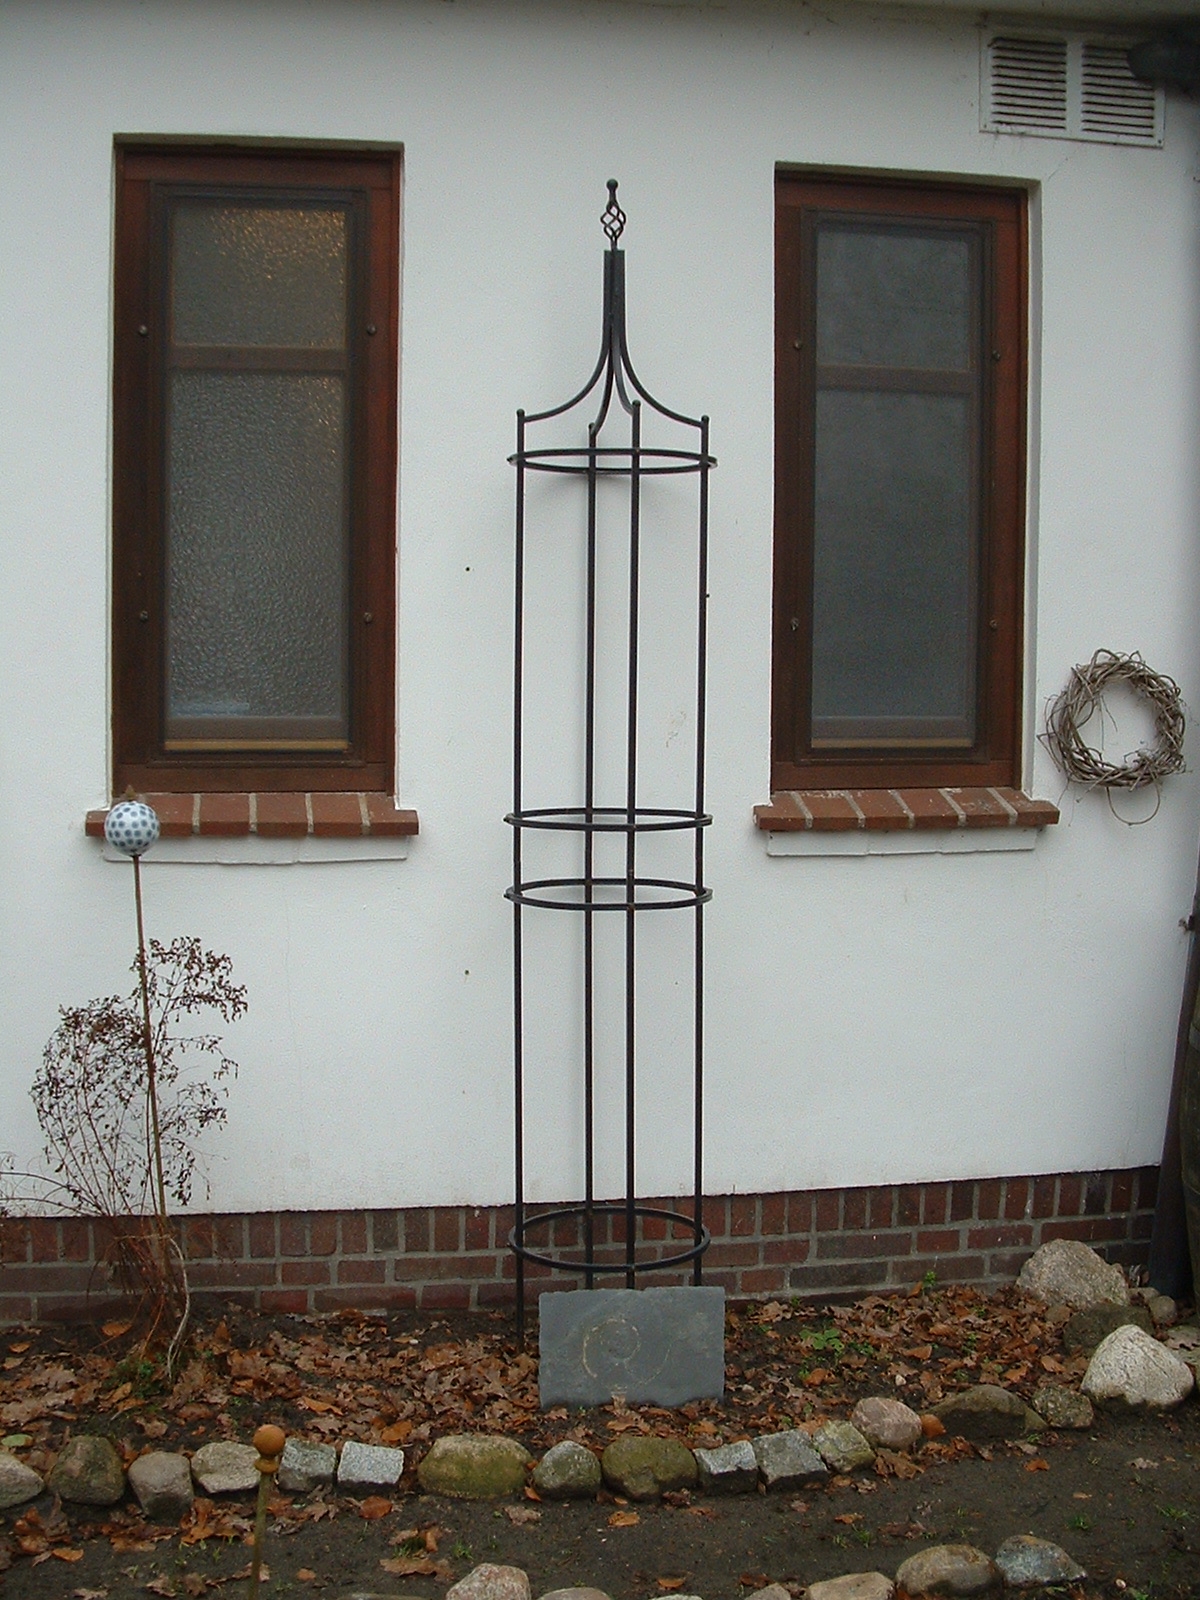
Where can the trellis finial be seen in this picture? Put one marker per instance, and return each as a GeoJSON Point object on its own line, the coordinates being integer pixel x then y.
{"type": "Point", "coordinates": [613, 218]}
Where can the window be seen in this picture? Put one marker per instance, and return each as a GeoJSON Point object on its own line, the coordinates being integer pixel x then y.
{"type": "Point", "coordinates": [254, 468]}
{"type": "Point", "coordinates": [900, 380]}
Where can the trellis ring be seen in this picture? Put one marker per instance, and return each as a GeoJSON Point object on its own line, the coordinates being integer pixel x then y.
{"type": "Point", "coordinates": [1069, 712]}
{"type": "Point", "coordinates": [131, 827]}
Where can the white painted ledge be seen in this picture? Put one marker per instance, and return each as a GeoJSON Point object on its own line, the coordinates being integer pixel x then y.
{"type": "Point", "coordinates": [903, 842]}
{"type": "Point", "coordinates": [248, 850]}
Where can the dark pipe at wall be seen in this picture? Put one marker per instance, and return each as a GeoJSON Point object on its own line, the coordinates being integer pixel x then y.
{"type": "Point", "coordinates": [1170, 1266]}
{"type": "Point", "coordinates": [1173, 59]}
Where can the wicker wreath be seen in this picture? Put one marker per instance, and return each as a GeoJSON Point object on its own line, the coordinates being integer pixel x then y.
{"type": "Point", "coordinates": [1069, 712]}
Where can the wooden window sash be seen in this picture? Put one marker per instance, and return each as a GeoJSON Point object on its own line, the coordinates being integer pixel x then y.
{"type": "Point", "coordinates": [143, 758]}
{"type": "Point", "coordinates": [1000, 215]}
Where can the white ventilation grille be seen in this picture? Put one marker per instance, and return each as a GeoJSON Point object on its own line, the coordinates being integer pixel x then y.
{"type": "Point", "coordinates": [1066, 87]}
{"type": "Point", "coordinates": [1113, 104]}
{"type": "Point", "coordinates": [1028, 81]}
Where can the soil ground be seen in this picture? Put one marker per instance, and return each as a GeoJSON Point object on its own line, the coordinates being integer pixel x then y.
{"type": "Point", "coordinates": [1123, 1497]}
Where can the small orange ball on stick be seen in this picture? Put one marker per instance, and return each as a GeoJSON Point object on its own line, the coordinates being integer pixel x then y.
{"type": "Point", "coordinates": [269, 1441]}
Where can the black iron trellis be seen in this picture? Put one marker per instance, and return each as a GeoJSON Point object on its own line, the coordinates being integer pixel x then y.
{"type": "Point", "coordinates": [593, 892]}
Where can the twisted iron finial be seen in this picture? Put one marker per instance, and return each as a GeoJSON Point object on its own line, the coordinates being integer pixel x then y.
{"type": "Point", "coordinates": [613, 218]}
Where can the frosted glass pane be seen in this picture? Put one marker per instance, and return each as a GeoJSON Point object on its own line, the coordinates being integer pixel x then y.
{"type": "Point", "coordinates": [893, 565]}
{"type": "Point", "coordinates": [893, 298]}
{"type": "Point", "coordinates": [258, 275]}
{"type": "Point", "coordinates": [257, 561]}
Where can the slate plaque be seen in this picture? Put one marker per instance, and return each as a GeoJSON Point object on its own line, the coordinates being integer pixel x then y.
{"type": "Point", "coordinates": [657, 1346]}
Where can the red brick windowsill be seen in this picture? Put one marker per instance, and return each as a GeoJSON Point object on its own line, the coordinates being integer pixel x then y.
{"type": "Point", "coordinates": [895, 810]}
{"type": "Point", "coordinates": [274, 816]}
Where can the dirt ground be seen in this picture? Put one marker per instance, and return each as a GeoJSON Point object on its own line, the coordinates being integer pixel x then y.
{"type": "Point", "coordinates": [1123, 1498]}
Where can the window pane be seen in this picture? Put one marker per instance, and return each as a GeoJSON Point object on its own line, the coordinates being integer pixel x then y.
{"type": "Point", "coordinates": [893, 297]}
{"type": "Point", "coordinates": [893, 570]}
{"type": "Point", "coordinates": [257, 558]}
{"type": "Point", "coordinates": [258, 275]}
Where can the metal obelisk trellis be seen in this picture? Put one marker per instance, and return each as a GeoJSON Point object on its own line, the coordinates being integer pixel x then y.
{"type": "Point", "coordinates": [616, 453]}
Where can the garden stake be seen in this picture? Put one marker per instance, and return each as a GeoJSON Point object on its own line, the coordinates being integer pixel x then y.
{"type": "Point", "coordinates": [269, 1442]}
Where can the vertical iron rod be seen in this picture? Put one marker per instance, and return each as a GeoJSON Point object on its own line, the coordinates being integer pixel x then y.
{"type": "Point", "coordinates": [518, 965]}
{"type": "Point", "coordinates": [701, 724]}
{"type": "Point", "coordinates": [631, 753]}
{"type": "Point", "coordinates": [589, 924]}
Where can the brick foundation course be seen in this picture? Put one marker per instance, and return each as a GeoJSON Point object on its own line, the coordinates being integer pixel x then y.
{"type": "Point", "coordinates": [819, 1244]}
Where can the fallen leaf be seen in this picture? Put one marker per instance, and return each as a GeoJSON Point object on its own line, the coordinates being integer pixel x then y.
{"type": "Point", "coordinates": [520, 1515]}
{"type": "Point", "coordinates": [624, 1519]}
{"type": "Point", "coordinates": [374, 1507]}
{"type": "Point", "coordinates": [849, 1518]}
{"type": "Point", "coordinates": [110, 1330]}
{"type": "Point", "coordinates": [89, 1594]}
{"type": "Point", "coordinates": [532, 1494]}
{"type": "Point", "coordinates": [194, 1584]}
{"type": "Point", "coordinates": [264, 1572]}
{"type": "Point", "coordinates": [1037, 1465]}
{"type": "Point", "coordinates": [754, 1580]}
{"type": "Point", "coordinates": [161, 1585]}
{"type": "Point", "coordinates": [65, 1553]}
{"type": "Point", "coordinates": [932, 1427]}
{"type": "Point", "coordinates": [669, 1585]}
{"type": "Point", "coordinates": [1079, 1495]}
{"type": "Point", "coordinates": [20, 1349]}
{"type": "Point", "coordinates": [397, 1432]}
{"type": "Point", "coordinates": [305, 1574]}
{"type": "Point", "coordinates": [414, 1567]}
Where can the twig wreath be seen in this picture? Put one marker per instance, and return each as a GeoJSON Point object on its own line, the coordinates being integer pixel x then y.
{"type": "Point", "coordinates": [1069, 713]}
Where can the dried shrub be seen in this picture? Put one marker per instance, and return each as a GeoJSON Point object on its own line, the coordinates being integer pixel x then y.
{"type": "Point", "coordinates": [122, 1114]}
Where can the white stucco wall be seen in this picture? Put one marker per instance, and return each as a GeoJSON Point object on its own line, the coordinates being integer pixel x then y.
{"type": "Point", "coordinates": [869, 1020]}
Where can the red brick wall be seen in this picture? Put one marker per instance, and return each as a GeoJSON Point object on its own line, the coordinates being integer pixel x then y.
{"type": "Point", "coordinates": [821, 1243]}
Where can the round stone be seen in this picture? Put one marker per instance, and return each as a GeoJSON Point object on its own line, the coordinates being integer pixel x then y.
{"type": "Point", "coordinates": [643, 1468]}
{"type": "Point", "coordinates": [1031, 1563]}
{"type": "Point", "coordinates": [1133, 1368]}
{"type": "Point", "coordinates": [474, 1466]}
{"type": "Point", "coordinates": [131, 827]}
{"type": "Point", "coordinates": [88, 1472]}
{"type": "Point", "coordinates": [887, 1422]}
{"type": "Point", "coordinates": [949, 1569]}
{"type": "Point", "coordinates": [568, 1471]}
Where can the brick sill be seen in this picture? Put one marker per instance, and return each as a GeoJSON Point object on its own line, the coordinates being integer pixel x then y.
{"type": "Point", "coordinates": [901, 810]}
{"type": "Point", "coordinates": [274, 816]}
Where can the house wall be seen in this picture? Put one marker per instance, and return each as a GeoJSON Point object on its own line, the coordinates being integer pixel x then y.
{"type": "Point", "coordinates": [879, 1020]}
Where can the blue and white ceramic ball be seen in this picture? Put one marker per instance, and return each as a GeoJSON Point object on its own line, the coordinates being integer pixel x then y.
{"type": "Point", "coordinates": [131, 827]}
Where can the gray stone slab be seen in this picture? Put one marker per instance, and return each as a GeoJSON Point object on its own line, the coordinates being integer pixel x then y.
{"type": "Point", "coordinates": [368, 1466]}
{"type": "Point", "coordinates": [651, 1346]}
{"type": "Point", "coordinates": [729, 1469]}
{"type": "Point", "coordinates": [306, 1466]}
{"type": "Point", "coordinates": [786, 1460]}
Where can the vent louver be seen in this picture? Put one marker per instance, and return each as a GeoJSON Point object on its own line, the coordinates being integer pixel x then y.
{"type": "Point", "coordinates": [1066, 87]}
{"type": "Point", "coordinates": [1029, 84]}
{"type": "Point", "coordinates": [1113, 103]}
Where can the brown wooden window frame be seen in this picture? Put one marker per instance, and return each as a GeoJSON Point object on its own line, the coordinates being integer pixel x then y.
{"type": "Point", "coordinates": [145, 171]}
{"type": "Point", "coordinates": [1001, 214]}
